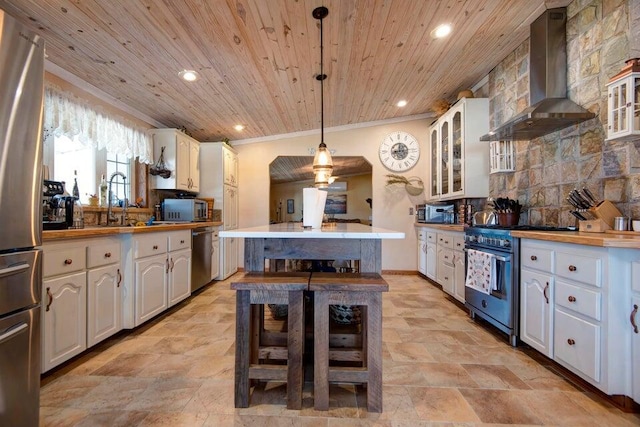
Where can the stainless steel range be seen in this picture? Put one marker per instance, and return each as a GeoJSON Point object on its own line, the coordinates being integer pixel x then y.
{"type": "Point", "coordinates": [500, 304]}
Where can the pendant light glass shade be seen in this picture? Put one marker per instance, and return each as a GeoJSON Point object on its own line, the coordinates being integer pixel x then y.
{"type": "Point", "coordinates": [322, 161]}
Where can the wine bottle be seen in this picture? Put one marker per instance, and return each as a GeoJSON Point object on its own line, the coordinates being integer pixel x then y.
{"type": "Point", "coordinates": [76, 191]}
{"type": "Point", "coordinates": [103, 192]}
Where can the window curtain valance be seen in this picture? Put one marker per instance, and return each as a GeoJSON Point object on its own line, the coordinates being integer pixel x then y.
{"type": "Point", "coordinates": [66, 114]}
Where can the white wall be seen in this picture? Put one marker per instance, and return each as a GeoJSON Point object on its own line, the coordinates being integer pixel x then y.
{"type": "Point", "coordinates": [390, 204]}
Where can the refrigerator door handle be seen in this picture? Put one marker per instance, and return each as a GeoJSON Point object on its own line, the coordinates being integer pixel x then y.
{"type": "Point", "coordinates": [11, 332]}
{"type": "Point", "coordinates": [14, 269]}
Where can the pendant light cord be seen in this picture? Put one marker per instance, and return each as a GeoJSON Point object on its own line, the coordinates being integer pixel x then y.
{"type": "Point", "coordinates": [322, 77]}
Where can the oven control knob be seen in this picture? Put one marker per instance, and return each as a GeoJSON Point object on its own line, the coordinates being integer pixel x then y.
{"type": "Point", "coordinates": [507, 243]}
{"type": "Point", "coordinates": [484, 304]}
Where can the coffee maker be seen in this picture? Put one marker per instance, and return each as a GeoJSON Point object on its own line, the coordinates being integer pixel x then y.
{"type": "Point", "coordinates": [57, 209]}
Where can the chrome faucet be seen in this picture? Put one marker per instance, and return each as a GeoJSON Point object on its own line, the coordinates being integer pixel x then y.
{"type": "Point", "coordinates": [111, 218]}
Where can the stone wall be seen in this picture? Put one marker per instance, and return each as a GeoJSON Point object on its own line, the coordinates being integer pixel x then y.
{"type": "Point", "coordinates": [549, 167]}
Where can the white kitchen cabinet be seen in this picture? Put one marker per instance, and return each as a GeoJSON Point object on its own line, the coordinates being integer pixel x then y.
{"type": "Point", "coordinates": [459, 165]}
{"type": "Point", "coordinates": [422, 251]}
{"type": "Point", "coordinates": [220, 181]}
{"type": "Point", "coordinates": [64, 331]}
{"type": "Point", "coordinates": [179, 276]}
{"type": "Point", "coordinates": [181, 157]}
{"type": "Point", "coordinates": [623, 102]}
{"type": "Point", "coordinates": [460, 270]}
{"type": "Point", "coordinates": [215, 257]}
{"type": "Point", "coordinates": [536, 296]}
{"type": "Point", "coordinates": [432, 255]}
{"type": "Point", "coordinates": [104, 290]}
{"type": "Point", "coordinates": [162, 264]}
{"type": "Point", "coordinates": [151, 283]}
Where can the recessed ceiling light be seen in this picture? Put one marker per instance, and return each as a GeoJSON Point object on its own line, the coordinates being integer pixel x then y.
{"type": "Point", "coordinates": [238, 127]}
{"type": "Point", "coordinates": [401, 103]}
{"type": "Point", "coordinates": [441, 31]}
{"type": "Point", "coordinates": [188, 75]}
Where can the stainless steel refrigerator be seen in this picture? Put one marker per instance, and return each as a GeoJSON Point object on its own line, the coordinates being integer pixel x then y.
{"type": "Point", "coordinates": [21, 100]}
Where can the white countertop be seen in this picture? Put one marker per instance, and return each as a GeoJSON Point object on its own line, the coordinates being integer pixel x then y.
{"type": "Point", "coordinates": [294, 230]}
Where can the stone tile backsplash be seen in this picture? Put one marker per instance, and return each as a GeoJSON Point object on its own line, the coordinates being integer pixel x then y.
{"type": "Point", "coordinates": [549, 167]}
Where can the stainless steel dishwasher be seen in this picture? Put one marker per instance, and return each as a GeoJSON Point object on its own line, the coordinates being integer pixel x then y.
{"type": "Point", "coordinates": [202, 240]}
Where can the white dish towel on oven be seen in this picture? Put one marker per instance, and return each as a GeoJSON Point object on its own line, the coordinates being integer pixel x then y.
{"type": "Point", "coordinates": [481, 271]}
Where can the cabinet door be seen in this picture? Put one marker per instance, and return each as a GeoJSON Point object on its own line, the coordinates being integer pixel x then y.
{"type": "Point", "coordinates": [635, 344]}
{"type": "Point", "coordinates": [230, 209]}
{"type": "Point", "coordinates": [445, 158]}
{"type": "Point", "coordinates": [577, 343]}
{"type": "Point", "coordinates": [445, 270]}
{"type": "Point", "coordinates": [151, 287]}
{"type": "Point", "coordinates": [536, 321]}
{"type": "Point", "coordinates": [215, 258]}
{"type": "Point", "coordinates": [459, 275]}
{"type": "Point", "coordinates": [434, 180]}
{"type": "Point", "coordinates": [194, 166]}
{"type": "Point", "coordinates": [432, 258]}
{"type": "Point", "coordinates": [179, 276]}
{"type": "Point", "coordinates": [183, 166]}
{"type": "Point", "coordinates": [422, 257]}
{"type": "Point", "coordinates": [64, 319]}
{"type": "Point", "coordinates": [230, 257]}
{"type": "Point", "coordinates": [230, 162]}
{"type": "Point", "coordinates": [104, 303]}
{"type": "Point", "coordinates": [456, 152]}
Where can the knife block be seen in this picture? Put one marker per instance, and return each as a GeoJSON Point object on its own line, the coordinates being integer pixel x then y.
{"type": "Point", "coordinates": [593, 226]}
{"type": "Point", "coordinates": [606, 211]}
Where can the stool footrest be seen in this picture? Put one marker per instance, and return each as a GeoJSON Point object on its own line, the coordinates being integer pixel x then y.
{"type": "Point", "coordinates": [348, 375]}
{"type": "Point", "coordinates": [352, 282]}
{"type": "Point", "coordinates": [273, 353]}
{"type": "Point", "coordinates": [290, 281]}
{"type": "Point", "coordinates": [268, 372]}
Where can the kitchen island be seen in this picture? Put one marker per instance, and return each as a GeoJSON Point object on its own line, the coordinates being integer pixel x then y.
{"type": "Point", "coordinates": [337, 241]}
{"type": "Point", "coordinates": [343, 241]}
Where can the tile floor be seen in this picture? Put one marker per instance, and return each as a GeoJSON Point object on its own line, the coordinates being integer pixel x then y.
{"type": "Point", "coordinates": [439, 369]}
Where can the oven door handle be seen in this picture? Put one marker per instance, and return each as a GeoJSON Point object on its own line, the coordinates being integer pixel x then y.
{"type": "Point", "coordinates": [498, 257]}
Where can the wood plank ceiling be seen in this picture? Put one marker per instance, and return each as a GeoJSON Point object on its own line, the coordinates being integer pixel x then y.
{"type": "Point", "coordinates": [257, 58]}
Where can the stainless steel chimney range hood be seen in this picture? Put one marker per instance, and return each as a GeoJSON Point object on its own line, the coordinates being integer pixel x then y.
{"type": "Point", "coordinates": [550, 108]}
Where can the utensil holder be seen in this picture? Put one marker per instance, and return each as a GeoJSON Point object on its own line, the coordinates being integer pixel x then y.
{"type": "Point", "coordinates": [607, 212]}
{"type": "Point", "coordinates": [508, 218]}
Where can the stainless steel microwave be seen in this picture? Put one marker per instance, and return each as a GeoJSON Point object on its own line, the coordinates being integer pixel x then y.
{"type": "Point", "coordinates": [185, 210]}
{"type": "Point", "coordinates": [435, 213]}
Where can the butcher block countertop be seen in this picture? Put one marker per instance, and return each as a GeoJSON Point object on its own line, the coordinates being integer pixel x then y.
{"type": "Point", "coordinates": [101, 231]}
{"type": "Point", "coordinates": [630, 240]}
{"type": "Point", "coordinates": [443, 227]}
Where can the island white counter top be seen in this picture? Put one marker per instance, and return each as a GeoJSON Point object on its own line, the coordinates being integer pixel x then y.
{"type": "Point", "coordinates": [294, 230]}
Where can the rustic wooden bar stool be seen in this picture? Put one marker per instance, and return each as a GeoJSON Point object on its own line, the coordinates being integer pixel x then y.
{"type": "Point", "coordinates": [356, 289]}
{"type": "Point", "coordinates": [254, 290]}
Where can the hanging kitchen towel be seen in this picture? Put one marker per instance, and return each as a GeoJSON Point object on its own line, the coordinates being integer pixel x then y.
{"type": "Point", "coordinates": [481, 269]}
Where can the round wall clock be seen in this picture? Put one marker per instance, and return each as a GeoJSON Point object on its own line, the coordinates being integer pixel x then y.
{"type": "Point", "coordinates": [399, 151]}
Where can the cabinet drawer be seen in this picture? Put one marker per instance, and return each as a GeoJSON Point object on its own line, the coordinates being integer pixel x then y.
{"type": "Point", "coordinates": [103, 254]}
{"type": "Point", "coordinates": [422, 234]}
{"type": "Point", "coordinates": [445, 256]}
{"type": "Point", "coordinates": [458, 242]}
{"type": "Point", "coordinates": [58, 260]}
{"type": "Point", "coordinates": [180, 240]}
{"type": "Point", "coordinates": [445, 277]}
{"type": "Point", "coordinates": [585, 269]}
{"type": "Point", "coordinates": [150, 244]}
{"type": "Point", "coordinates": [578, 299]}
{"type": "Point", "coordinates": [537, 258]}
{"type": "Point", "coordinates": [577, 343]}
{"type": "Point", "coordinates": [432, 237]}
{"type": "Point", "coordinates": [445, 240]}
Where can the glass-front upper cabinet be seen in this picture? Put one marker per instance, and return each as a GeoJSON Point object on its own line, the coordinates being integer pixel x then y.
{"type": "Point", "coordinates": [460, 164]}
{"type": "Point", "coordinates": [445, 155]}
{"type": "Point", "coordinates": [623, 91]}
{"type": "Point", "coordinates": [434, 187]}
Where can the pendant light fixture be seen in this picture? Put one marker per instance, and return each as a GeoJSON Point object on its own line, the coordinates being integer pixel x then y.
{"type": "Point", "coordinates": [322, 162]}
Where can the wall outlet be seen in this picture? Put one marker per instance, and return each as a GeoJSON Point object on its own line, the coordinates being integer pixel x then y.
{"type": "Point", "coordinates": [410, 211]}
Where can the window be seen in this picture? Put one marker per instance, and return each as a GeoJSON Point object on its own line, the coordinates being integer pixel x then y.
{"type": "Point", "coordinates": [71, 159]}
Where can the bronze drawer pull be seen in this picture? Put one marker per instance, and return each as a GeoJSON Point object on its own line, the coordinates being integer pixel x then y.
{"type": "Point", "coordinates": [119, 278]}
{"type": "Point", "coordinates": [534, 258]}
{"type": "Point", "coordinates": [572, 268]}
{"type": "Point", "coordinates": [571, 341]}
{"type": "Point", "coordinates": [632, 318]}
{"type": "Point", "coordinates": [544, 292]}
{"type": "Point", "coordinates": [155, 247]}
{"type": "Point", "coordinates": [571, 298]}
{"type": "Point", "coordinates": [182, 242]}
{"type": "Point", "coordinates": [50, 299]}
{"type": "Point", "coordinates": [107, 255]}
{"type": "Point", "coordinates": [68, 261]}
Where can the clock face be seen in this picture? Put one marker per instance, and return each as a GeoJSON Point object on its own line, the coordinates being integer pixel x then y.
{"type": "Point", "coordinates": [399, 151]}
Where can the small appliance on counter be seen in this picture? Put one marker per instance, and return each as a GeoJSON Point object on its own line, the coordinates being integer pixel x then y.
{"type": "Point", "coordinates": [187, 210]}
{"type": "Point", "coordinates": [54, 215]}
{"type": "Point", "coordinates": [436, 213]}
